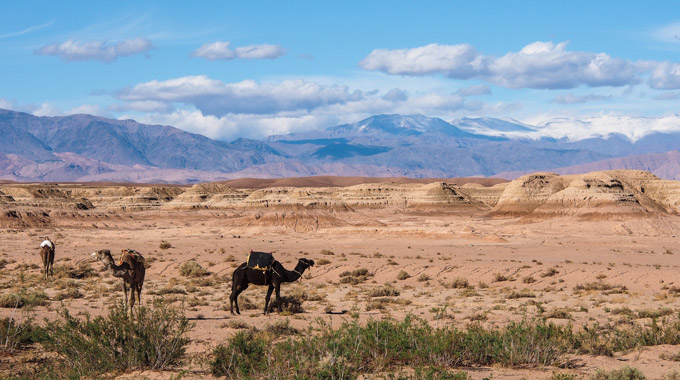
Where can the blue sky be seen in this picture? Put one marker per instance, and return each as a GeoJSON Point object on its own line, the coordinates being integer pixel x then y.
{"type": "Point", "coordinates": [251, 69]}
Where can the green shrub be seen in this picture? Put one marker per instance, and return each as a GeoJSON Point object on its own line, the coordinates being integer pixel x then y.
{"type": "Point", "coordinates": [151, 338]}
{"type": "Point", "coordinates": [23, 298]}
{"type": "Point", "coordinates": [16, 334]}
{"type": "Point", "coordinates": [386, 345]}
{"type": "Point", "coordinates": [243, 356]}
{"type": "Point", "coordinates": [625, 373]}
{"type": "Point", "coordinates": [192, 269]}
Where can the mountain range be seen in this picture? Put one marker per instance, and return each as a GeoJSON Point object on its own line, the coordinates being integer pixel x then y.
{"type": "Point", "coordinates": [86, 148]}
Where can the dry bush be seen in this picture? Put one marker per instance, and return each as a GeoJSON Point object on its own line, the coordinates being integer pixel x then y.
{"type": "Point", "coordinates": [355, 277]}
{"type": "Point", "coordinates": [165, 245]}
{"type": "Point", "coordinates": [601, 286]}
{"type": "Point", "coordinates": [524, 293]}
{"type": "Point", "coordinates": [192, 269]}
{"type": "Point", "coordinates": [383, 291]}
{"type": "Point", "coordinates": [459, 283]}
{"type": "Point", "coordinates": [403, 275]}
{"type": "Point", "coordinates": [528, 280]}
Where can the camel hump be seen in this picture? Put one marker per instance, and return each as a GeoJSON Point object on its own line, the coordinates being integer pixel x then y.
{"type": "Point", "coordinates": [131, 253]}
{"type": "Point", "coordinates": [47, 243]}
{"type": "Point", "coordinates": [260, 260]}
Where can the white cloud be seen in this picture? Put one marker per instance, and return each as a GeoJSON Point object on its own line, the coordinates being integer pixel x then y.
{"type": "Point", "coordinates": [72, 50]}
{"type": "Point", "coordinates": [549, 66]}
{"type": "Point", "coordinates": [541, 65]}
{"type": "Point", "coordinates": [577, 128]}
{"type": "Point", "coordinates": [573, 99]}
{"type": "Point", "coordinates": [456, 61]}
{"type": "Point", "coordinates": [230, 127]}
{"type": "Point", "coordinates": [666, 76]}
{"type": "Point", "coordinates": [221, 50]}
{"type": "Point", "coordinates": [214, 97]}
{"type": "Point", "coordinates": [47, 109]}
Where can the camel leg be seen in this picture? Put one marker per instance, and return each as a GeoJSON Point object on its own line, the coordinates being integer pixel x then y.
{"type": "Point", "coordinates": [125, 293]}
{"type": "Point", "coordinates": [133, 286]}
{"type": "Point", "coordinates": [139, 293]}
{"type": "Point", "coordinates": [266, 300]}
{"type": "Point", "coordinates": [45, 264]}
{"type": "Point", "coordinates": [278, 298]}
{"type": "Point", "coordinates": [234, 296]}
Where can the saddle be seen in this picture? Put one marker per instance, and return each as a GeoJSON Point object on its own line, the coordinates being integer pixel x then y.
{"type": "Point", "coordinates": [263, 261]}
{"type": "Point", "coordinates": [131, 252]}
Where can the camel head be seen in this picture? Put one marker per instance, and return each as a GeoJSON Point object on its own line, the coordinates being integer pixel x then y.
{"type": "Point", "coordinates": [103, 255]}
{"type": "Point", "coordinates": [306, 263]}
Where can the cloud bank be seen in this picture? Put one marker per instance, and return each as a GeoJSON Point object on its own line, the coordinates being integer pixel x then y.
{"type": "Point", "coordinates": [220, 50]}
{"type": "Point", "coordinates": [540, 65]}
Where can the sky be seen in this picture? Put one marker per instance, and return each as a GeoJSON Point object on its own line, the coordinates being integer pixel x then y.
{"type": "Point", "coordinates": [258, 68]}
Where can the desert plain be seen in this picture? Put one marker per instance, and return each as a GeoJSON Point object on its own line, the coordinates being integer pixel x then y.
{"type": "Point", "coordinates": [600, 247]}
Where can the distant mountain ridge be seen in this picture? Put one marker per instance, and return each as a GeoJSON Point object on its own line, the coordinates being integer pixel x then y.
{"type": "Point", "coordinates": [92, 148]}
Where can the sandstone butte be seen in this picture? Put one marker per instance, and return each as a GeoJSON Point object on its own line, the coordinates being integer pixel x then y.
{"type": "Point", "coordinates": [598, 195]}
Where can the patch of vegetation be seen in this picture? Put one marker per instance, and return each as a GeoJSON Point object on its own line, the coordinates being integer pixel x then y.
{"type": "Point", "coordinates": [192, 269]}
{"type": "Point", "coordinates": [524, 293]}
{"type": "Point", "coordinates": [289, 304]}
{"type": "Point", "coordinates": [625, 373]}
{"type": "Point", "coordinates": [550, 272]}
{"type": "Point", "coordinates": [355, 277]}
{"type": "Point", "coordinates": [384, 291]}
{"type": "Point", "coordinates": [528, 280]}
{"type": "Point", "coordinates": [16, 334]}
{"type": "Point", "coordinates": [423, 277]}
{"type": "Point", "coordinates": [71, 293]}
{"type": "Point", "coordinates": [22, 298]}
{"type": "Point", "coordinates": [459, 283]}
{"type": "Point", "coordinates": [601, 286]}
{"type": "Point", "coordinates": [323, 262]}
{"type": "Point", "coordinates": [403, 275]}
{"type": "Point", "coordinates": [165, 245]}
{"type": "Point", "coordinates": [384, 346]}
{"type": "Point", "coordinates": [150, 338]}
{"type": "Point", "coordinates": [499, 277]}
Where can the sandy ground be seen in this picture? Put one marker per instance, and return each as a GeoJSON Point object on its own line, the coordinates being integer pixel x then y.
{"type": "Point", "coordinates": [547, 258]}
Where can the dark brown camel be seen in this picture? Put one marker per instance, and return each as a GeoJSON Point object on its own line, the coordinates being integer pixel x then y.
{"type": "Point", "coordinates": [131, 270]}
{"type": "Point", "coordinates": [244, 276]}
{"type": "Point", "coordinates": [47, 254]}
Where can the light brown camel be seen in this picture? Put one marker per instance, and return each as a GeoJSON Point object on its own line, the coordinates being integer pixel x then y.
{"type": "Point", "coordinates": [131, 270]}
{"type": "Point", "coordinates": [47, 248]}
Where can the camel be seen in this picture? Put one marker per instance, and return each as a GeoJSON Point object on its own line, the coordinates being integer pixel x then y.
{"type": "Point", "coordinates": [47, 254]}
{"type": "Point", "coordinates": [131, 270]}
{"type": "Point", "coordinates": [243, 276]}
